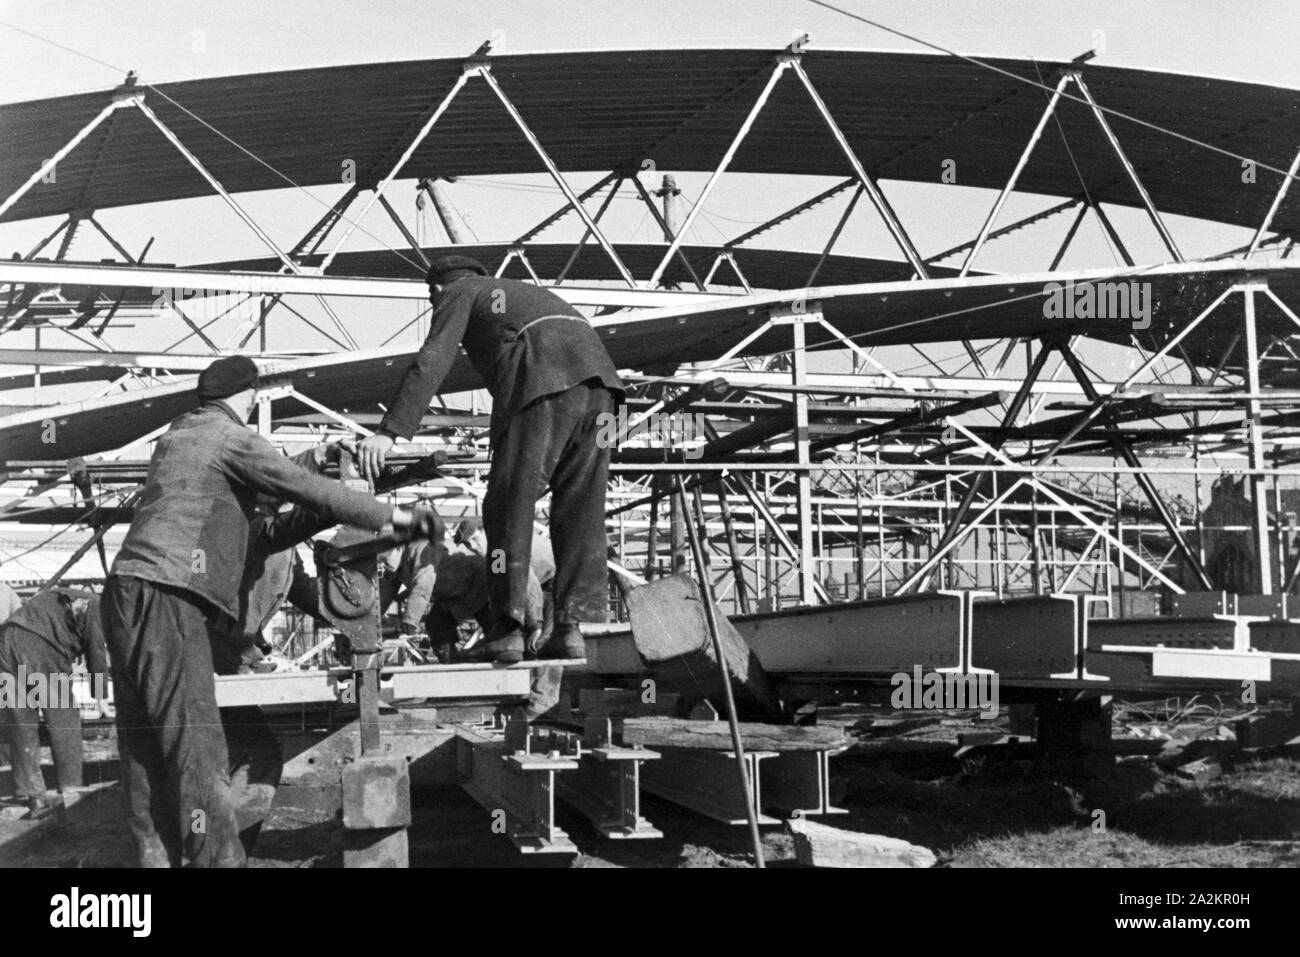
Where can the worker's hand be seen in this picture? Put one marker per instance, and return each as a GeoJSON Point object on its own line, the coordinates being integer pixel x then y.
{"type": "Point", "coordinates": [371, 454]}
{"type": "Point", "coordinates": [335, 449]}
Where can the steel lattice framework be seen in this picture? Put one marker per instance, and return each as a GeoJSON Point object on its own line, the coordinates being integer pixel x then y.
{"type": "Point", "coordinates": [1015, 468]}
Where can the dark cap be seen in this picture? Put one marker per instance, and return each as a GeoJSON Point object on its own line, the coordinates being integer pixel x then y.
{"type": "Point", "coordinates": [467, 527]}
{"type": "Point", "coordinates": [227, 376]}
{"type": "Point", "coordinates": [450, 264]}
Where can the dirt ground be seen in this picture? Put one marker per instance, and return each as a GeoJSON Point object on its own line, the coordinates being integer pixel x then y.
{"type": "Point", "coordinates": [991, 806]}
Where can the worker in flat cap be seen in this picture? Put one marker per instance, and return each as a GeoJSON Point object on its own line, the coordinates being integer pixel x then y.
{"type": "Point", "coordinates": [553, 385]}
{"type": "Point", "coordinates": [174, 589]}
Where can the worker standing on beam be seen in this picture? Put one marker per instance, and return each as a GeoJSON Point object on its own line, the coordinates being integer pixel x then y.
{"type": "Point", "coordinates": [174, 586]}
{"type": "Point", "coordinates": [552, 385]}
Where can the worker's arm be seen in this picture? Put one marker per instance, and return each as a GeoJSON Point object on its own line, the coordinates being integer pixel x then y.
{"type": "Point", "coordinates": [253, 461]}
{"type": "Point", "coordinates": [422, 377]}
{"type": "Point", "coordinates": [420, 581]}
{"type": "Point", "coordinates": [275, 533]}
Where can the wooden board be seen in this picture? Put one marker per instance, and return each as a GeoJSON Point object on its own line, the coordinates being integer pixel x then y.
{"type": "Point", "coordinates": [658, 732]}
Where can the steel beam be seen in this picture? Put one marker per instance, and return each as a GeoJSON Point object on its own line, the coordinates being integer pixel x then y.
{"type": "Point", "coordinates": [799, 782]}
{"type": "Point", "coordinates": [1147, 202]}
{"type": "Point", "coordinates": [706, 782]}
{"type": "Point", "coordinates": [437, 114]}
{"type": "Point", "coordinates": [1276, 204]}
{"type": "Point", "coordinates": [879, 636]}
{"type": "Point", "coordinates": [250, 282]}
{"type": "Point", "coordinates": [873, 191]}
{"type": "Point", "coordinates": [519, 784]}
{"type": "Point", "coordinates": [1126, 452]}
{"type": "Point", "coordinates": [43, 170]}
{"type": "Point", "coordinates": [922, 574]}
{"type": "Point", "coordinates": [439, 682]}
{"type": "Point", "coordinates": [606, 787]}
{"type": "Point", "coordinates": [782, 64]}
{"type": "Point", "coordinates": [485, 71]}
{"type": "Point", "coordinates": [1015, 175]}
{"type": "Point", "coordinates": [1255, 437]}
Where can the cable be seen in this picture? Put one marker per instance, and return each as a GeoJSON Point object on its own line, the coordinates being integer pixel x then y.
{"type": "Point", "coordinates": [1065, 96]}
{"type": "Point", "coordinates": [209, 126]}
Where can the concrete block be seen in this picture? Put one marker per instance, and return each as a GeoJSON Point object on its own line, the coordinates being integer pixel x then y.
{"type": "Point", "coordinates": [376, 793]}
{"type": "Point", "coordinates": [385, 847]}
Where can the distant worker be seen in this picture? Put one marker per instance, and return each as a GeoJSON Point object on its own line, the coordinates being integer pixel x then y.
{"type": "Point", "coordinates": [38, 646]}
{"type": "Point", "coordinates": [174, 582]}
{"type": "Point", "coordinates": [460, 598]}
{"type": "Point", "coordinates": [406, 577]}
{"type": "Point", "coordinates": [553, 385]}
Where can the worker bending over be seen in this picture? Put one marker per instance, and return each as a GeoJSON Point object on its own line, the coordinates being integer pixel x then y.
{"type": "Point", "coordinates": [38, 645]}
{"type": "Point", "coordinates": [552, 385]}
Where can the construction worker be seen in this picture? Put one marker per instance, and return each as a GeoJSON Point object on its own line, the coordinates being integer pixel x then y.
{"type": "Point", "coordinates": [38, 645]}
{"type": "Point", "coordinates": [406, 576]}
{"type": "Point", "coordinates": [176, 582]}
{"type": "Point", "coordinates": [553, 385]}
{"type": "Point", "coordinates": [544, 692]}
{"type": "Point", "coordinates": [460, 599]}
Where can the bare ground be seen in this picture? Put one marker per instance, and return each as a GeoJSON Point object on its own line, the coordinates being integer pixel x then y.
{"type": "Point", "coordinates": [994, 807]}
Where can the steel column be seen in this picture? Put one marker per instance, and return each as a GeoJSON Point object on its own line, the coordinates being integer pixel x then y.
{"type": "Point", "coordinates": [1256, 448]}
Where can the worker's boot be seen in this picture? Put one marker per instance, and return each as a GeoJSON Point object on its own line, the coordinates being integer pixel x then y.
{"type": "Point", "coordinates": [507, 649]}
{"type": "Point", "coordinates": [567, 642]}
{"type": "Point", "coordinates": [38, 808]}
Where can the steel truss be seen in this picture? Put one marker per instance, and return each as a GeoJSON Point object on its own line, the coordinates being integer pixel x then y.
{"type": "Point", "coordinates": [825, 487]}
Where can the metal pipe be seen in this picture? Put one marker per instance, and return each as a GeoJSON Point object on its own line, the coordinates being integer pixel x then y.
{"type": "Point", "coordinates": [710, 616]}
{"type": "Point", "coordinates": [1256, 448]}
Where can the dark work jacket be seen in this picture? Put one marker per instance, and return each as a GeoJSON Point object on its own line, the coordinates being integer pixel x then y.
{"type": "Point", "coordinates": [191, 525]}
{"type": "Point", "coordinates": [518, 365]}
{"type": "Point", "coordinates": [47, 616]}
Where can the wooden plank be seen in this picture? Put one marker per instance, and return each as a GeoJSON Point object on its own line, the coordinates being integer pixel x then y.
{"type": "Point", "coordinates": [659, 732]}
{"type": "Point", "coordinates": [819, 845]}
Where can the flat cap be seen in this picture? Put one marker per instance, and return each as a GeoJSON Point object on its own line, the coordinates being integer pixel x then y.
{"type": "Point", "coordinates": [453, 264]}
{"type": "Point", "coordinates": [226, 377]}
{"type": "Point", "coordinates": [466, 528]}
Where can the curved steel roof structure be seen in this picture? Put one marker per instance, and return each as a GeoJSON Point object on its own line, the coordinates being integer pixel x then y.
{"type": "Point", "coordinates": [903, 113]}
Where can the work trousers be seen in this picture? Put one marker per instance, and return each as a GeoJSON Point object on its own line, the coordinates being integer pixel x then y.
{"type": "Point", "coordinates": [550, 443]}
{"type": "Point", "coordinates": [175, 764]}
{"type": "Point", "coordinates": [21, 651]}
{"type": "Point", "coordinates": [256, 761]}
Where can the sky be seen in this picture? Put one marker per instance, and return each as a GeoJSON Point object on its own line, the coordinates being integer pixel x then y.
{"type": "Point", "coordinates": [165, 41]}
